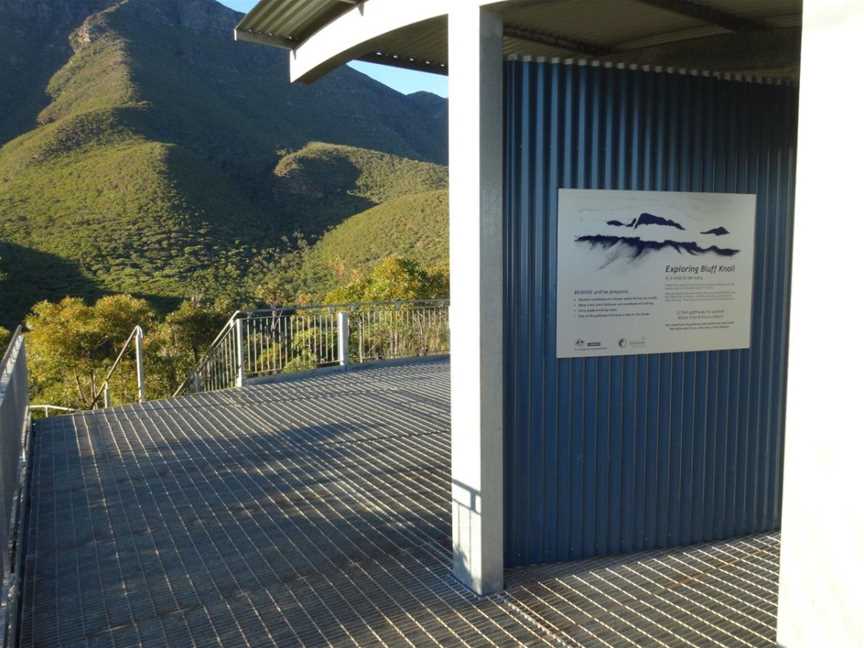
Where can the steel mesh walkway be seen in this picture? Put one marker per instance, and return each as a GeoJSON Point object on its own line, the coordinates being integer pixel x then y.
{"type": "Point", "coordinates": [316, 513]}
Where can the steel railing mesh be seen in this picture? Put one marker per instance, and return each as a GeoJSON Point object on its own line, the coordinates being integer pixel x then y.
{"type": "Point", "coordinates": [270, 342]}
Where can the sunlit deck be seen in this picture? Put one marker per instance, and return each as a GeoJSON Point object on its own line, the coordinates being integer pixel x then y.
{"type": "Point", "coordinates": [317, 513]}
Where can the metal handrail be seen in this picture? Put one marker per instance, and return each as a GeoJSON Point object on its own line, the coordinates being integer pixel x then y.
{"type": "Point", "coordinates": [229, 326]}
{"type": "Point", "coordinates": [346, 306]}
{"type": "Point", "coordinates": [8, 352]}
{"type": "Point", "coordinates": [137, 334]}
{"type": "Point", "coordinates": [14, 445]}
{"type": "Point", "coordinates": [53, 408]}
{"type": "Point", "coordinates": [266, 342]}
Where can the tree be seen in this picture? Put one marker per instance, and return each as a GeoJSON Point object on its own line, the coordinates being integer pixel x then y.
{"type": "Point", "coordinates": [393, 279]}
{"type": "Point", "coordinates": [192, 327]}
{"type": "Point", "coordinates": [401, 329]}
{"type": "Point", "coordinates": [281, 278]}
{"type": "Point", "coordinates": [185, 336]}
{"type": "Point", "coordinates": [289, 276]}
{"type": "Point", "coordinates": [224, 285]}
{"type": "Point", "coordinates": [72, 346]}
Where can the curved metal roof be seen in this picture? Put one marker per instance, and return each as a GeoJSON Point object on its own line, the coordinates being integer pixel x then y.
{"type": "Point", "coordinates": [292, 21]}
{"type": "Point", "coordinates": [632, 30]}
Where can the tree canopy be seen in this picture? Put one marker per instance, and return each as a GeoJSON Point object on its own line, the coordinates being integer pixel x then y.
{"type": "Point", "coordinates": [73, 344]}
{"type": "Point", "coordinates": [393, 279]}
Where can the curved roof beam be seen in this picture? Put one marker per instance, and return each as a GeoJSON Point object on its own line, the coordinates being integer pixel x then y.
{"type": "Point", "coordinates": [349, 36]}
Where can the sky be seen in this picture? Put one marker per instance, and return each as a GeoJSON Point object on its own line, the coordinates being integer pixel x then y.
{"type": "Point", "coordinates": [405, 81]}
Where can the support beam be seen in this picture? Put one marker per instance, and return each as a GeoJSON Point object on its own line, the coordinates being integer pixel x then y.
{"type": "Point", "coordinates": [769, 53]}
{"type": "Point", "coordinates": [432, 67]}
{"type": "Point", "coordinates": [552, 40]}
{"type": "Point", "coordinates": [354, 33]}
{"type": "Point", "coordinates": [350, 36]}
{"type": "Point", "coordinates": [477, 294]}
{"type": "Point", "coordinates": [821, 597]}
{"type": "Point", "coordinates": [707, 14]}
{"type": "Point", "coordinates": [263, 39]}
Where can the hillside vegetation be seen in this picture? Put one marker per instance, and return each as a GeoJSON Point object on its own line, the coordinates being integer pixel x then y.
{"type": "Point", "coordinates": [413, 226]}
{"type": "Point", "coordinates": [323, 184]}
{"type": "Point", "coordinates": [143, 147]}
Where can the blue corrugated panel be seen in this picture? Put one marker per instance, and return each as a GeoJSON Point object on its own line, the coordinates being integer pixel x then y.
{"type": "Point", "coordinates": [615, 455]}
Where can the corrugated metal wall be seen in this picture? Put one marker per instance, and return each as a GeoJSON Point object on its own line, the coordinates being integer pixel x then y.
{"type": "Point", "coordinates": [615, 455]}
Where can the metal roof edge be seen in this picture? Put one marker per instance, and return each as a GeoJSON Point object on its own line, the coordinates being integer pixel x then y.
{"type": "Point", "coordinates": [262, 39]}
{"type": "Point", "coordinates": [741, 77]}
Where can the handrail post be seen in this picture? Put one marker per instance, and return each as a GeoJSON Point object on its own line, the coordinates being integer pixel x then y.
{"type": "Point", "coordinates": [139, 362]}
{"type": "Point", "coordinates": [238, 326]}
{"type": "Point", "coordinates": [344, 337]}
{"type": "Point", "coordinates": [106, 398]}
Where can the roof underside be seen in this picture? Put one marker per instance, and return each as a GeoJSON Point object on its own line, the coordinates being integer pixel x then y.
{"type": "Point", "coordinates": [662, 32]}
{"type": "Point", "coordinates": [292, 20]}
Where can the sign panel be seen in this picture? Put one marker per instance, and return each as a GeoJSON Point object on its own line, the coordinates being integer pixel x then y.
{"type": "Point", "coordinates": [653, 272]}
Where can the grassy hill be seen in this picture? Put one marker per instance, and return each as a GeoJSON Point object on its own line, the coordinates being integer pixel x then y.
{"type": "Point", "coordinates": [141, 145]}
{"type": "Point", "coordinates": [323, 184]}
{"type": "Point", "coordinates": [413, 226]}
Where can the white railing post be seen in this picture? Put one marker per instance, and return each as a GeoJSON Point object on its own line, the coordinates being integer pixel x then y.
{"type": "Point", "coordinates": [139, 362]}
{"type": "Point", "coordinates": [241, 376]}
{"type": "Point", "coordinates": [106, 398]}
{"type": "Point", "coordinates": [344, 336]}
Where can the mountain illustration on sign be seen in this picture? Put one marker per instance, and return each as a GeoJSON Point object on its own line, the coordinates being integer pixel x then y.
{"type": "Point", "coordinates": [717, 231]}
{"type": "Point", "coordinates": [635, 247]}
{"type": "Point", "coordinates": [640, 246]}
{"type": "Point", "coordinates": [647, 219]}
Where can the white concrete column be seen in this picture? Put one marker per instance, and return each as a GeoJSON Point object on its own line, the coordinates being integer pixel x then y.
{"type": "Point", "coordinates": [476, 265]}
{"type": "Point", "coordinates": [822, 550]}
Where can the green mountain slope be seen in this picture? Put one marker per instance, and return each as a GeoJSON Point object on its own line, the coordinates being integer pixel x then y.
{"type": "Point", "coordinates": [413, 226]}
{"type": "Point", "coordinates": [323, 184]}
{"type": "Point", "coordinates": [33, 46]}
{"type": "Point", "coordinates": [142, 145]}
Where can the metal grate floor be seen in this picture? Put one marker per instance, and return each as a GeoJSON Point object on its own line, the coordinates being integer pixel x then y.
{"type": "Point", "coordinates": [316, 513]}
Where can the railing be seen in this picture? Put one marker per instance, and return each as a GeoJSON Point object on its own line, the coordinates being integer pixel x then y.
{"type": "Point", "coordinates": [104, 392]}
{"type": "Point", "coordinates": [218, 368]}
{"type": "Point", "coordinates": [270, 342]}
{"type": "Point", "coordinates": [290, 339]}
{"type": "Point", "coordinates": [14, 426]}
{"type": "Point", "coordinates": [399, 331]}
{"type": "Point", "coordinates": [46, 410]}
